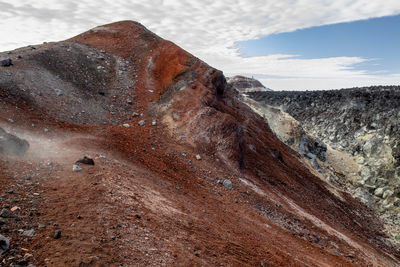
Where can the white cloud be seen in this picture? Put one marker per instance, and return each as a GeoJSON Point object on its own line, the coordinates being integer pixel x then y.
{"type": "Point", "coordinates": [208, 29]}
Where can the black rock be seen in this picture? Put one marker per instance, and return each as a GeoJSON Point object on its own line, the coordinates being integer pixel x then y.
{"type": "Point", "coordinates": [11, 144]}
{"type": "Point", "coordinates": [57, 234]}
{"type": "Point", "coordinates": [6, 62]}
{"type": "Point", "coordinates": [4, 244]}
{"type": "Point", "coordinates": [85, 160]}
{"type": "Point", "coordinates": [22, 262]}
{"type": "Point", "coordinates": [5, 213]}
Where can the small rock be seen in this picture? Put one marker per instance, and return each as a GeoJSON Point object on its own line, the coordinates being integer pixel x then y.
{"type": "Point", "coordinates": [142, 122]}
{"type": "Point", "coordinates": [379, 192]}
{"type": "Point", "coordinates": [198, 157]}
{"type": "Point", "coordinates": [22, 262]}
{"type": "Point", "coordinates": [126, 125]}
{"type": "Point", "coordinates": [28, 233]}
{"type": "Point", "coordinates": [103, 156]}
{"type": "Point", "coordinates": [129, 101]}
{"type": "Point", "coordinates": [11, 120]}
{"type": "Point", "coordinates": [4, 244]}
{"type": "Point", "coordinates": [100, 68]}
{"type": "Point", "coordinates": [151, 91]}
{"type": "Point", "coordinates": [227, 184]}
{"type": "Point", "coordinates": [59, 92]}
{"type": "Point", "coordinates": [100, 58]}
{"type": "Point", "coordinates": [388, 193]}
{"type": "Point", "coordinates": [15, 208]}
{"type": "Point", "coordinates": [85, 160]}
{"type": "Point", "coordinates": [6, 62]}
{"type": "Point", "coordinates": [253, 148]}
{"type": "Point", "coordinates": [5, 213]}
{"type": "Point", "coordinates": [28, 256]}
{"type": "Point", "coordinates": [46, 130]}
{"type": "Point", "coordinates": [134, 114]}
{"type": "Point", "coordinates": [154, 123]}
{"type": "Point", "coordinates": [57, 234]}
{"type": "Point", "coordinates": [76, 168]}
{"type": "Point", "coordinates": [2, 221]}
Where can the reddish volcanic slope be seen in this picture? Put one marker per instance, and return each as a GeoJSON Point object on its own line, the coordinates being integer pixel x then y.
{"type": "Point", "coordinates": [148, 201]}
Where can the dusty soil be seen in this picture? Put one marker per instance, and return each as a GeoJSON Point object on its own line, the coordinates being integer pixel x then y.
{"type": "Point", "coordinates": [148, 201]}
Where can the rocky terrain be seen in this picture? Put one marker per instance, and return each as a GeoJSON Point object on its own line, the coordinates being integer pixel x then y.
{"type": "Point", "coordinates": [132, 152]}
{"type": "Point", "coordinates": [361, 122]}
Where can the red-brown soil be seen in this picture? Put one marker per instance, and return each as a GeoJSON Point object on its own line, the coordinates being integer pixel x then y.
{"type": "Point", "coordinates": [148, 201]}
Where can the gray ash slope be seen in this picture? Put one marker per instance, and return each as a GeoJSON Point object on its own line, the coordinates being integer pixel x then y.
{"type": "Point", "coordinates": [362, 122]}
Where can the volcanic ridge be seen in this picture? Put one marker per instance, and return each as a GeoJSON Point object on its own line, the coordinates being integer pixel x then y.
{"type": "Point", "coordinates": [184, 173]}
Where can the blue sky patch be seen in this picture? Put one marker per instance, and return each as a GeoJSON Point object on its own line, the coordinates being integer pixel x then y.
{"type": "Point", "coordinates": [377, 39]}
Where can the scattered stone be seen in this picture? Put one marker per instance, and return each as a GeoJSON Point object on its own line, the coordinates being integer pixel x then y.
{"type": "Point", "coordinates": [57, 234]}
{"type": "Point", "coordinates": [45, 130]}
{"type": "Point", "coordinates": [129, 101]}
{"type": "Point", "coordinates": [134, 114]}
{"type": "Point", "coordinates": [76, 168]}
{"type": "Point", "coordinates": [2, 221]}
{"type": "Point", "coordinates": [59, 92]}
{"type": "Point", "coordinates": [364, 196]}
{"type": "Point", "coordinates": [103, 156]}
{"type": "Point", "coordinates": [227, 184]}
{"type": "Point", "coordinates": [85, 160]}
{"type": "Point", "coordinates": [126, 125]}
{"type": "Point", "coordinates": [4, 244]}
{"type": "Point", "coordinates": [6, 62]}
{"type": "Point", "coordinates": [183, 154]}
{"type": "Point", "coordinates": [22, 262]}
{"type": "Point", "coordinates": [100, 58]}
{"type": "Point", "coordinates": [28, 233]}
{"type": "Point", "coordinates": [198, 157]}
{"type": "Point", "coordinates": [28, 256]}
{"type": "Point", "coordinates": [253, 148]}
{"type": "Point", "coordinates": [142, 122]}
{"type": "Point", "coordinates": [379, 192]}
{"type": "Point", "coordinates": [154, 123]}
{"type": "Point", "coordinates": [5, 213]}
{"type": "Point", "coordinates": [11, 120]}
{"type": "Point", "coordinates": [388, 193]}
{"type": "Point", "coordinates": [100, 68]}
{"type": "Point", "coordinates": [151, 91]}
{"type": "Point", "coordinates": [15, 208]}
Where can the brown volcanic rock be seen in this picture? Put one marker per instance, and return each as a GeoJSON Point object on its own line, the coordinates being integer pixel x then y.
{"type": "Point", "coordinates": [148, 202]}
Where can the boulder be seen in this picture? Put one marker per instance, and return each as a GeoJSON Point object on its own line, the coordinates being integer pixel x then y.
{"type": "Point", "coordinates": [4, 244]}
{"type": "Point", "coordinates": [11, 145]}
{"type": "Point", "coordinates": [379, 192]}
{"type": "Point", "coordinates": [85, 160]}
{"type": "Point", "coordinates": [228, 184]}
{"type": "Point", "coordinates": [6, 62]}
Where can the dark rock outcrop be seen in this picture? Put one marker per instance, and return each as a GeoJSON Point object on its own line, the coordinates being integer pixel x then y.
{"type": "Point", "coordinates": [6, 62]}
{"type": "Point", "coordinates": [11, 145]}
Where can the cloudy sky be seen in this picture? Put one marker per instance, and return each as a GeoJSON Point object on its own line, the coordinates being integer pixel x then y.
{"type": "Point", "coordinates": [287, 44]}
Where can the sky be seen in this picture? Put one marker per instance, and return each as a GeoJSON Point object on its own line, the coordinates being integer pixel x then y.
{"type": "Point", "coordinates": [286, 44]}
